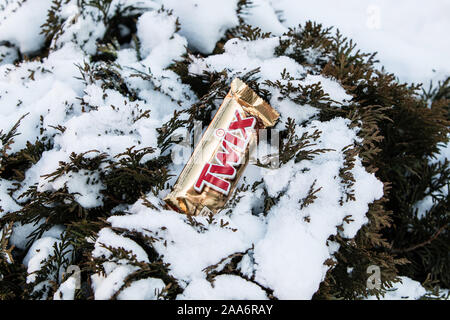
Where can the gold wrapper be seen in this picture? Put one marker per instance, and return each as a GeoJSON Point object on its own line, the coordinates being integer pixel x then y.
{"type": "Point", "coordinates": [218, 161]}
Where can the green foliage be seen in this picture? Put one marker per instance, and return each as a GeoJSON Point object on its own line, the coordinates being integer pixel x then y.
{"type": "Point", "coordinates": [48, 277]}
{"type": "Point", "coordinates": [406, 131]}
{"type": "Point", "coordinates": [129, 177]}
{"type": "Point", "coordinates": [155, 268]}
{"type": "Point", "coordinates": [166, 135]}
{"type": "Point", "coordinates": [52, 27]}
{"type": "Point", "coordinates": [400, 133]}
{"type": "Point", "coordinates": [310, 197]}
{"type": "Point", "coordinates": [229, 265]}
{"type": "Point", "coordinates": [292, 146]}
{"type": "Point", "coordinates": [12, 274]}
{"type": "Point", "coordinates": [307, 45]}
{"type": "Point", "coordinates": [126, 177]}
{"type": "Point", "coordinates": [13, 166]}
{"type": "Point", "coordinates": [107, 74]}
{"type": "Point", "coordinates": [248, 33]}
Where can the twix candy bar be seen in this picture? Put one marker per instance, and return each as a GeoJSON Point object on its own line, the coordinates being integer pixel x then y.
{"type": "Point", "coordinates": [218, 161]}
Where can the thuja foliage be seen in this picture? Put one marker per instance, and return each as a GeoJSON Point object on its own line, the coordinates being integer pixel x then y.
{"type": "Point", "coordinates": [401, 129]}
{"type": "Point", "coordinates": [125, 179]}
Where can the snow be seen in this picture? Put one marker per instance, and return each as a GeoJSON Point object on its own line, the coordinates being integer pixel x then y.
{"type": "Point", "coordinates": [336, 92]}
{"type": "Point", "coordinates": [111, 239]}
{"type": "Point", "coordinates": [151, 21]}
{"type": "Point", "coordinates": [7, 204]}
{"type": "Point", "coordinates": [108, 127]}
{"type": "Point", "coordinates": [203, 22]}
{"type": "Point", "coordinates": [144, 289]}
{"type": "Point", "coordinates": [106, 286]}
{"type": "Point", "coordinates": [407, 34]}
{"type": "Point", "coordinates": [21, 232]}
{"type": "Point", "coordinates": [262, 15]}
{"type": "Point", "coordinates": [82, 29]}
{"type": "Point", "coordinates": [409, 289]}
{"type": "Point", "coordinates": [244, 56]}
{"type": "Point", "coordinates": [41, 249]}
{"type": "Point", "coordinates": [66, 290]}
{"type": "Point", "coordinates": [7, 55]}
{"type": "Point", "coordinates": [50, 94]}
{"type": "Point", "coordinates": [226, 287]}
{"type": "Point", "coordinates": [277, 238]}
{"type": "Point", "coordinates": [183, 241]}
{"type": "Point", "coordinates": [287, 230]}
{"type": "Point", "coordinates": [14, 13]}
{"type": "Point", "coordinates": [406, 289]}
{"type": "Point", "coordinates": [283, 249]}
{"type": "Point", "coordinates": [86, 194]}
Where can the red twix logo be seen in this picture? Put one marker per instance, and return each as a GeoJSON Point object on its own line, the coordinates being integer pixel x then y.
{"type": "Point", "coordinates": [214, 175]}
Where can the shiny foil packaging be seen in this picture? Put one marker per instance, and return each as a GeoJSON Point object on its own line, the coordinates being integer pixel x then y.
{"type": "Point", "coordinates": [218, 161]}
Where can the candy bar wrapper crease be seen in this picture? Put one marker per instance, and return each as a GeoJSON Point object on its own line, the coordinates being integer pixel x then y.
{"type": "Point", "coordinates": [218, 161]}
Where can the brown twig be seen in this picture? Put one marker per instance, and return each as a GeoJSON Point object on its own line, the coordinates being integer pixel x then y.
{"type": "Point", "coordinates": [420, 245]}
